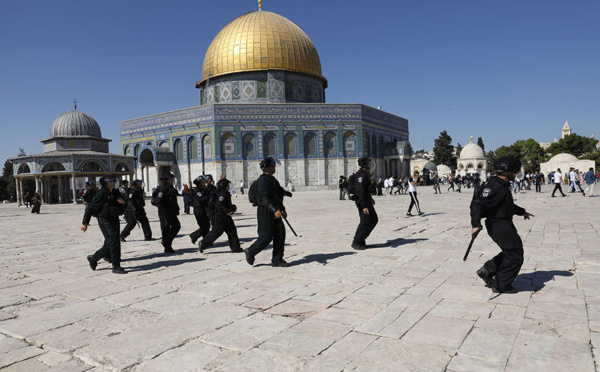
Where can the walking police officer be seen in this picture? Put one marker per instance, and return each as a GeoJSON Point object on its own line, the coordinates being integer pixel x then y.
{"type": "Point", "coordinates": [364, 204]}
{"type": "Point", "coordinates": [89, 193]}
{"type": "Point", "coordinates": [106, 206]}
{"type": "Point", "coordinates": [200, 203]}
{"type": "Point", "coordinates": [222, 221]}
{"type": "Point", "coordinates": [168, 209]}
{"type": "Point", "coordinates": [269, 213]}
{"type": "Point", "coordinates": [495, 202]}
{"type": "Point", "coordinates": [135, 211]}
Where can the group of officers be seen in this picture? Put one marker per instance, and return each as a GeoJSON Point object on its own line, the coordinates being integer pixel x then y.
{"type": "Point", "coordinates": [213, 210]}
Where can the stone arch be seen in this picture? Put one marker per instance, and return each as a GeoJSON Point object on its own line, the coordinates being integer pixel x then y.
{"type": "Point", "coordinates": [147, 158]}
{"type": "Point", "coordinates": [228, 146]}
{"type": "Point", "coordinates": [178, 150]}
{"type": "Point", "coordinates": [53, 167]}
{"type": "Point", "coordinates": [330, 144]}
{"type": "Point", "coordinates": [249, 149]}
{"type": "Point", "coordinates": [122, 167]}
{"type": "Point", "coordinates": [290, 148]}
{"type": "Point", "coordinates": [136, 150]}
{"type": "Point", "coordinates": [206, 147]}
{"type": "Point", "coordinates": [164, 144]}
{"type": "Point", "coordinates": [270, 145]}
{"type": "Point", "coordinates": [91, 166]}
{"type": "Point", "coordinates": [349, 144]}
{"type": "Point", "coordinates": [192, 149]}
{"type": "Point", "coordinates": [126, 150]}
{"type": "Point", "coordinates": [311, 146]}
{"type": "Point", "coordinates": [23, 168]}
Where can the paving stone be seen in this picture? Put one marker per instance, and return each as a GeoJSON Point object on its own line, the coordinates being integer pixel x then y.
{"type": "Point", "coordinates": [463, 309]}
{"type": "Point", "coordinates": [29, 365]}
{"type": "Point", "coordinates": [491, 341]}
{"type": "Point", "coordinates": [19, 354]}
{"type": "Point", "coordinates": [448, 333]}
{"type": "Point", "coordinates": [119, 321]}
{"type": "Point", "coordinates": [462, 363]}
{"type": "Point", "coordinates": [66, 339]}
{"type": "Point", "coordinates": [297, 344]}
{"type": "Point", "coordinates": [296, 307]}
{"type": "Point", "coordinates": [261, 360]}
{"type": "Point", "coordinates": [53, 358]}
{"type": "Point", "coordinates": [192, 356]}
{"type": "Point", "coordinates": [172, 303]}
{"type": "Point", "coordinates": [137, 294]}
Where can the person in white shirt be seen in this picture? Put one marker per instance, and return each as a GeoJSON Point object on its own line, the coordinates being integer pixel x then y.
{"type": "Point", "coordinates": [413, 182]}
{"type": "Point", "coordinates": [386, 184]}
{"type": "Point", "coordinates": [242, 186]}
{"type": "Point", "coordinates": [557, 182]}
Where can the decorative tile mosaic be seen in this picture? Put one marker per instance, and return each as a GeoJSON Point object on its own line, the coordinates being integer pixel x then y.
{"type": "Point", "coordinates": [248, 90]}
{"type": "Point", "coordinates": [262, 89]}
{"type": "Point", "coordinates": [236, 92]}
{"type": "Point", "coordinates": [225, 93]}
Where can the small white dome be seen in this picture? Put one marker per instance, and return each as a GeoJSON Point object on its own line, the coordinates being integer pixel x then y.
{"type": "Point", "coordinates": [75, 124]}
{"type": "Point", "coordinates": [563, 158]}
{"type": "Point", "coordinates": [472, 151]}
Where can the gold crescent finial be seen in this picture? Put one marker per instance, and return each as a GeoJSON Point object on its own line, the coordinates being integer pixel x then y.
{"type": "Point", "coordinates": [259, 5]}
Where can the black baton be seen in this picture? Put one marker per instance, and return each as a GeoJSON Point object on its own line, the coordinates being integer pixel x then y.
{"type": "Point", "coordinates": [471, 244]}
{"type": "Point", "coordinates": [291, 228]}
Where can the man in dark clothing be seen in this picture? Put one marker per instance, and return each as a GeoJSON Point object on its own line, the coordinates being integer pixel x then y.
{"type": "Point", "coordinates": [89, 193]}
{"type": "Point", "coordinates": [200, 203]}
{"type": "Point", "coordinates": [222, 221]}
{"type": "Point", "coordinates": [106, 206]}
{"type": "Point", "coordinates": [269, 215]}
{"type": "Point", "coordinates": [135, 211]}
{"type": "Point", "coordinates": [168, 209]}
{"type": "Point", "coordinates": [539, 180]}
{"type": "Point", "coordinates": [494, 201]}
{"type": "Point", "coordinates": [364, 204]}
{"type": "Point", "coordinates": [211, 191]}
{"type": "Point", "coordinates": [343, 185]}
{"type": "Point", "coordinates": [37, 202]}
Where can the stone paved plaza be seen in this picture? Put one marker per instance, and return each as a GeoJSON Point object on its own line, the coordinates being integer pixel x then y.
{"type": "Point", "coordinates": [411, 306]}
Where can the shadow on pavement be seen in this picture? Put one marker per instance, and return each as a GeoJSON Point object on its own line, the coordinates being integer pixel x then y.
{"type": "Point", "coordinates": [321, 258]}
{"type": "Point", "coordinates": [399, 241]}
{"type": "Point", "coordinates": [159, 264]}
{"type": "Point", "coordinates": [161, 254]}
{"type": "Point", "coordinates": [534, 281]}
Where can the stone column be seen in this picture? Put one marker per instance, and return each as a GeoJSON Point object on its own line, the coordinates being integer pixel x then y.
{"type": "Point", "coordinates": [43, 190]}
{"type": "Point", "coordinates": [73, 187]}
{"type": "Point", "coordinates": [19, 185]}
{"type": "Point", "coordinates": [60, 194]}
{"type": "Point", "coordinates": [37, 183]}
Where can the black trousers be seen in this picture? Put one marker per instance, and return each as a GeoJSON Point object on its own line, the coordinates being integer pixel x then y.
{"type": "Point", "coordinates": [538, 187]}
{"type": "Point", "coordinates": [203, 224]}
{"type": "Point", "coordinates": [451, 186]}
{"type": "Point", "coordinates": [557, 187]}
{"type": "Point", "coordinates": [112, 244]}
{"type": "Point", "coordinates": [366, 225]}
{"type": "Point", "coordinates": [36, 208]}
{"type": "Point", "coordinates": [506, 265]}
{"type": "Point", "coordinates": [414, 201]}
{"type": "Point", "coordinates": [132, 219]}
{"type": "Point", "coordinates": [269, 229]}
{"type": "Point", "coordinates": [222, 223]}
{"type": "Point", "coordinates": [169, 227]}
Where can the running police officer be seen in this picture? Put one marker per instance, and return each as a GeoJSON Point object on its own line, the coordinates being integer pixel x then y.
{"type": "Point", "coordinates": [106, 206]}
{"type": "Point", "coordinates": [269, 213]}
{"type": "Point", "coordinates": [222, 221]}
{"type": "Point", "coordinates": [135, 211]}
{"type": "Point", "coordinates": [200, 203]}
{"type": "Point", "coordinates": [211, 191]}
{"type": "Point", "coordinates": [494, 201]}
{"type": "Point", "coordinates": [168, 209]}
{"type": "Point", "coordinates": [364, 204]}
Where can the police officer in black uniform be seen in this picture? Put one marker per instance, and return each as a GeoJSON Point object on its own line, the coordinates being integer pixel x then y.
{"type": "Point", "coordinates": [364, 204]}
{"type": "Point", "coordinates": [135, 211]}
{"type": "Point", "coordinates": [89, 193]}
{"type": "Point", "coordinates": [106, 206]}
{"type": "Point", "coordinates": [211, 191]}
{"type": "Point", "coordinates": [168, 209]}
{"type": "Point", "coordinates": [222, 221]}
{"type": "Point", "coordinates": [269, 215]}
{"type": "Point", "coordinates": [494, 202]}
{"type": "Point", "coordinates": [200, 203]}
{"type": "Point", "coordinates": [124, 190]}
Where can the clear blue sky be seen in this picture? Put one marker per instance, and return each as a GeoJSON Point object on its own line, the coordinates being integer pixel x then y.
{"type": "Point", "coordinates": [502, 70]}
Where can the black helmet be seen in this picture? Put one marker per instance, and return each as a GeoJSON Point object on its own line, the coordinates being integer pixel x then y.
{"type": "Point", "coordinates": [268, 162]}
{"type": "Point", "coordinates": [137, 183]}
{"type": "Point", "coordinates": [199, 180]}
{"type": "Point", "coordinates": [365, 160]}
{"type": "Point", "coordinates": [507, 164]}
{"type": "Point", "coordinates": [223, 183]}
{"type": "Point", "coordinates": [106, 179]}
{"type": "Point", "coordinates": [167, 176]}
{"type": "Point", "coordinates": [208, 177]}
{"type": "Point", "coordinates": [124, 182]}
{"type": "Point", "coordinates": [90, 183]}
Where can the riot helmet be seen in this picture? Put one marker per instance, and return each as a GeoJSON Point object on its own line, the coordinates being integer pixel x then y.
{"type": "Point", "coordinates": [110, 178]}
{"type": "Point", "coordinates": [507, 164]}
{"type": "Point", "coordinates": [90, 183]}
{"type": "Point", "coordinates": [223, 184]}
{"type": "Point", "coordinates": [138, 183]}
{"type": "Point", "coordinates": [268, 162]}
{"type": "Point", "coordinates": [199, 181]}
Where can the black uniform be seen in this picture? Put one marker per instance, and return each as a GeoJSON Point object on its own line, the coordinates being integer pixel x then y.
{"type": "Point", "coordinates": [200, 203]}
{"type": "Point", "coordinates": [168, 209]}
{"type": "Point", "coordinates": [494, 201]}
{"type": "Point", "coordinates": [222, 222]}
{"type": "Point", "coordinates": [88, 195]}
{"type": "Point", "coordinates": [107, 209]}
{"type": "Point", "coordinates": [135, 213]}
{"type": "Point", "coordinates": [367, 221]}
{"type": "Point", "coordinates": [270, 200]}
{"type": "Point", "coordinates": [210, 212]}
{"type": "Point", "coordinates": [37, 203]}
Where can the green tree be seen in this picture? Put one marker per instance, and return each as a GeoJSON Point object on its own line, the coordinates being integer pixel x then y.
{"type": "Point", "coordinates": [480, 143]}
{"type": "Point", "coordinates": [443, 151]}
{"type": "Point", "coordinates": [528, 151]}
{"type": "Point", "coordinates": [7, 184]}
{"type": "Point", "coordinates": [458, 149]}
{"type": "Point", "coordinates": [595, 156]}
{"type": "Point", "coordinates": [573, 144]}
{"type": "Point", "coordinates": [490, 157]}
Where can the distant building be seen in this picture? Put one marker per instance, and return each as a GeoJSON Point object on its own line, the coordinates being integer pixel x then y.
{"type": "Point", "coordinates": [566, 131]}
{"type": "Point", "coordinates": [472, 160]}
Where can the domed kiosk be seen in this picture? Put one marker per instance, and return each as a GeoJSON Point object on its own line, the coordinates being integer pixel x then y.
{"type": "Point", "coordinates": [262, 93]}
{"type": "Point", "coordinates": [564, 162]}
{"type": "Point", "coordinates": [74, 152]}
{"type": "Point", "coordinates": [472, 160]}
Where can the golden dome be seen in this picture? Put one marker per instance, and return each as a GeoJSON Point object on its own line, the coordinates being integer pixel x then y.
{"type": "Point", "coordinates": [259, 41]}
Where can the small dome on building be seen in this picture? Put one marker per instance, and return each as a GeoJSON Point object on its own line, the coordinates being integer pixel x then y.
{"type": "Point", "coordinates": [75, 124]}
{"type": "Point", "coordinates": [472, 150]}
{"type": "Point", "coordinates": [563, 158]}
{"type": "Point", "coordinates": [430, 166]}
{"type": "Point", "coordinates": [444, 170]}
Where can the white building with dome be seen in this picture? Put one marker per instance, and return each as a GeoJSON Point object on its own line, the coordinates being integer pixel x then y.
{"type": "Point", "coordinates": [564, 162]}
{"type": "Point", "coordinates": [74, 152]}
{"type": "Point", "coordinates": [472, 160]}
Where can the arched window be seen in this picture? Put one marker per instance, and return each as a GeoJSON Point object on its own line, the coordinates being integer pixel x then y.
{"type": "Point", "coordinates": [349, 144]}
{"type": "Point", "coordinates": [192, 149]}
{"type": "Point", "coordinates": [228, 147]}
{"type": "Point", "coordinates": [206, 147]}
{"type": "Point", "coordinates": [290, 145]}
{"type": "Point", "coordinates": [270, 145]}
{"type": "Point", "coordinates": [91, 166]}
{"type": "Point", "coordinates": [330, 145]}
{"type": "Point", "coordinates": [126, 150]}
{"type": "Point", "coordinates": [164, 144]}
{"type": "Point", "coordinates": [122, 167]}
{"type": "Point", "coordinates": [310, 144]}
{"type": "Point", "coordinates": [178, 150]}
{"type": "Point", "coordinates": [249, 150]}
{"type": "Point", "coordinates": [23, 168]}
{"type": "Point", "coordinates": [136, 150]}
{"type": "Point", "coordinates": [53, 167]}
{"type": "Point", "coordinates": [365, 143]}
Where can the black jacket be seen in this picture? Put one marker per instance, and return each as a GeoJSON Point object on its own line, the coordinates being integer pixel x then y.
{"type": "Point", "coordinates": [135, 201]}
{"type": "Point", "coordinates": [104, 206]}
{"type": "Point", "coordinates": [363, 182]}
{"type": "Point", "coordinates": [166, 200]}
{"type": "Point", "coordinates": [223, 202]}
{"type": "Point", "coordinates": [494, 201]}
{"type": "Point", "coordinates": [270, 193]}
